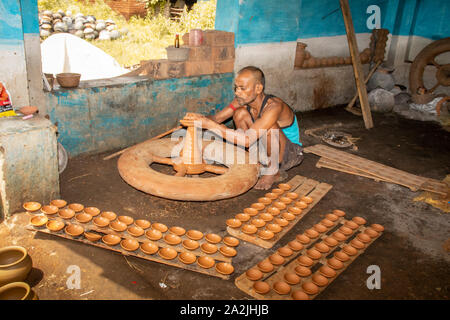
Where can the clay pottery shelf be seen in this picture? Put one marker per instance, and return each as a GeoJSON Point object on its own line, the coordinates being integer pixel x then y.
{"type": "Point", "coordinates": [190, 244]}
{"type": "Point", "coordinates": [231, 241]}
{"type": "Point", "coordinates": [319, 280]}
{"type": "Point", "coordinates": [265, 266]}
{"type": "Point", "coordinates": [294, 210]}
{"type": "Point", "coordinates": [100, 222]}
{"type": "Point", "coordinates": [281, 287]}
{"type": "Point", "coordinates": [273, 227]}
{"type": "Point", "coordinates": [31, 206]}
{"type": "Point", "coordinates": [233, 223]}
{"type": "Point", "coordinates": [144, 224]}
{"type": "Point", "coordinates": [326, 271]}
{"type": "Point", "coordinates": [135, 231]}
{"type": "Point", "coordinates": [49, 209]}
{"type": "Point", "coordinates": [301, 205]}
{"type": "Point", "coordinates": [285, 200]}
{"type": "Point", "coordinates": [129, 244]}
{"type": "Point", "coordinates": [258, 222]}
{"type": "Point", "coordinates": [244, 217]}
{"type": "Point", "coordinates": [224, 268]}
{"type": "Point", "coordinates": [194, 234]}
{"type": "Point", "coordinates": [295, 245]}
{"type": "Point", "coordinates": [205, 262]}
{"type": "Point", "coordinates": [108, 215]}
{"type": "Point", "coordinates": [265, 200]}
{"type": "Point", "coordinates": [292, 278]}
{"type": "Point", "coordinates": [118, 226]}
{"type": "Point", "coordinates": [251, 211]}
{"type": "Point", "coordinates": [213, 238]}
{"type": "Point", "coordinates": [54, 225]}
{"type": "Point", "coordinates": [227, 251]}
{"type": "Point", "coordinates": [168, 253]}
{"type": "Point", "coordinates": [302, 271]}
{"type": "Point", "coordinates": [305, 261]}
{"type": "Point", "coordinates": [77, 207]}
{"type": "Point", "coordinates": [93, 211]}
{"type": "Point", "coordinates": [17, 291]}
{"type": "Point", "coordinates": [307, 200]}
{"type": "Point", "coordinates": [285, 251]}
{"type": "Point", "coordinates": [178, 231]}
{"type": "Point", "coordinates": [153, 234]}
{"type": "Point", "coordinates": [267, 217]}
{"type": "Point", "coordinates": [160, 227]}
{"type": "Point", "coordinates": [271, 196]}
{"type": "Point", "coordinates": [111, 239]}
{"type": "Point", "coordinates": [187, 257]}
{"type": "Point", "coordinates": [276, 259]}
{"type": "Point", "coordinates": [149, 247]}
{"type": "Point", "coordinates": [299, 295]}
{"type": "Point", "coordinates": [208, 248]}
{"type": "Point", "coordinates": [66, 213]}
{"type": "Point", "coordinates": [254, 274]}
{"type": "Point", "coordinates": [261, 287]}
{"type": "Point", "coordinates": [39, 221]}
{"type": "Point", "coordinates": [58, 203]}
{"type": "Point", "coordinates": [15, 264]}
{"type": "Point", "coordinates": [303, 239]}
{"type": "Point", "coordinates": [91, 236]}
{"type": "Point", "coordinates": [266, 234]}
{"type": "Point", "coordinates": [273, 211]}
{"type": "Point", "coordinates": [74, 230]}
{"type": "Point", "coordinates": [284, 186]}
{"type": "Point", "coordinates": [258, 206]}
{"type": "Point", "coordinates": [172, 239]}
{"type": "Point", "coordinates": [310, 288]}
{"type": "Point", "coordinates": [83, 217]}
{"type": "Point", "coordinates": [249, 229]}
{"type": "Point", "coordinates": [281, 222]}
{"type": "Point", "coordinates": [330, 241]}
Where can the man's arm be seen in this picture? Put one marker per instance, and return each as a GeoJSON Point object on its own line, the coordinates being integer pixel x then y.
{"type": "Point", "coordinates": [225, 113]}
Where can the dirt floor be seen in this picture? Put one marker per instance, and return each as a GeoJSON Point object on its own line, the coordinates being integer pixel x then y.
{"type": "Point", "coordinates": [411, 253]}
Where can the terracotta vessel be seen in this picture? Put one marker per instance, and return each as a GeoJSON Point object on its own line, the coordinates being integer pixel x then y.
{"type": "Point", "coordinates": [83, 217]}
{"type": "Point", "coordinates": [299, 295]}
{"type": "Point", "coordinates": [302, 271]}
{"type": "Point", "coordinates": [273, 211]}
{"type": "Point", "coordinates": [286, 200]}
{"type": "Point", "coordinates": [111, 239]}
{"type": "Point", "coordinates": [54, 225]}
{"type": "Point", "coordinates": [27, 110]}
{"type": "Point", "coordinates": [100, 222]}
{"type": "Point", "coordinates": [15, 264]}
{"type": "Point", "coordinates": [118, 226]}
{"type": "Point", "coordinates": [74, 230]}
{"type": "Point", "coordinates": [244, 217]}
{"type": "Point", "coordinates": [281, 222]}
{"type": "Point", "coordinates": [292, 278]}
{"type": "Point", "coordinates": [190, 244]}
{"type": "Point", "coordinates": [144, 224]}
{"type": "Point", "coordinates": [310, 288]}
{"type": "Point", "coordinates": [266, 234]}
{"type": "Point", "coordinates": [108, 215]}
{"type": "Point", "coordinates": [187, 257]}
{"type": "Point", "coordinates": [258, 222]}
{"type": "Point", "coordinates": [233, 223]}
{"type": "Point", "coordinates": [135, 231]}
{"type": "Point", "coordinates": [273, 227]}
{"type": "Point", "coordinates": [129, 244]}
{"type": "Point", "coordinates": [58, 203]}
{"type": "Point", "coordinates": [249, 229]}
{"type": "Point", "coordinates": [208, 248]}
{"type": "Point", "coordinates": [277, 191]}
{"type": "Point", "coordinates": [303, 239]}
{"type": "Point", "coordinates": [149, 247]}
{"type": "Point", "coordinates": [194, 234]}
{"type": "Point", "coordinates": [126, 219]}
{"type": "Point", "coordinates": [66, 213]}
{"type": "Point", "coordinates": [319, 280]}
{"type": "Point", "coordinates": [281, 287]}
{"type": "Point", "coordinates": [32, 206]}
{"type": "Point", "coordinates": [39, 221]}
{"type": "Point", "coordinates": [168, 253]}
{"type": "Point", "coordinates": [49, 209]}
{"type": "Point", "coordinates": [251, 211]}
{"type": "Point", "coordinates": [284, 186]}
{"type": "Point", "coordinates": [292, 195]}
{"type": "Point", "coordinates": [153, 234]}
{"type": "Point", "coordinates": [265, 266]}
{"type": "Point", "coordinates": [231, 241]}
{"type": "Point", "coordinates": [295, 245]}
{"type": "Point", "coordinates": [178, 231]}
{"type": "Point", "coordinates": [276, 259]}
{"type": "Point", "coordinates": [254, 274]}
{"type": "Point", "coordinates": [224, 268]}
{"type": "Point", "coordinates": [285, 251]}
{"type": "Point", "coordinates": [228, 251]}
{"type": "Point", "coordinates": [172, 239]}
{"type": "Point", "coordinates": [294, 210]}
{"type": "Point", "coordinates": [205, 262]}
{"type": "Point", "coordinates": [160, 227]}
{"type": "Point", "coordinates": [91, 236]}
{"type": "Point", "coordinates": [77, 207]}
{"type": "Point", "coordinates": [93, 211]}
{"type": "Point", "coordinates": [17, 291]}
{"type": "Point", "coordinates": [266, 217]}
{"type": "Point", "coordinates": [265, 200]}
{"type": "Point", "coordinates": [258, 206]}
{"type": "Point", "coordinates": [271, 196]}
{"type": "Point", "coordinates": [301, 205]}
{"type": "Point", "coordinates": [261, 287]}
{"type": "Point", "coordinates": [213, 238]}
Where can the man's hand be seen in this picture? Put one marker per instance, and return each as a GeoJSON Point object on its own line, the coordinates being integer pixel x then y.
{"type": "Point", "coordinates": [198, 120]}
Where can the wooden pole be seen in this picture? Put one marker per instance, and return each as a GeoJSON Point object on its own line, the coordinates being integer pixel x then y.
{"type": "Point", "coordinates": [356, 62]}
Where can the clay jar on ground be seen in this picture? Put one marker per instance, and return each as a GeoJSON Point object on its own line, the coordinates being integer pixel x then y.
{"type": "Point", "coordinates": [17, 291]}
{"type": "Point", "coordinates": [15, 264]}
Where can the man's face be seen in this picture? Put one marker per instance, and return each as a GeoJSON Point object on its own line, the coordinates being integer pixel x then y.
{"type": "Point", "coordinates": [245, 88]}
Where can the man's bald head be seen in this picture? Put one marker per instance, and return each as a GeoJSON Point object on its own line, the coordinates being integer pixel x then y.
{"type": "Point", "coordinates": [256, 73]}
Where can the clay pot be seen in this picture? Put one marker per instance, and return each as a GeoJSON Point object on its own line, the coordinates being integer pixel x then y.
{"type": "Point", "coordinates": [194, 234]}
{"type": "Point", "coordinates": [265, 266]}
{"type": "Point", "coordinates": [38, 221]}
{"type": "Point", "coordinates": [273, 211]}
{"type": "Point", "coordinates": [251, 211]}
{"type": "Point", "coordinates": [231, 241]}
{"type": "Point", "coordinates": [54, 225]}
{"type": "Point", "coordinates": [313, 254]}
{"type": "Point", "coordinates": [352, 225]}
{"type": "Point", "coordinates": [187, 257]}
{"type": "Point", "coordinates": [320, 228]}
{"type": "Point", "coordinates": [149, 247]}
{"type": "Point", "coordinates": [144, 224]}
{"type": "Point", "coordinates": [93, 211]}
{"type": "Point", "coordinates": [74, 230]}
{"type": "Point", "coordinates": [288, 216]}
{"type": "Point", "coordinates": [49, 209]}
{"type": "Point", "coordinates": [17, 291]}
{"type": "Point", "coordinates": [355, 243]}
{"type": "Point", "coordinates": [77, 207]}
{"type": "Point", "coordinates": [83, 217]}
{"type": "Point", "coordinates": [284, 186]}
{"type": "Point", "coordinates": [341, 256]}
{"type": "Point", "coordinates": [258, 206]}
{"type": "Point", "coordinates": [213, 238]}
{"type": "Point", "coordinates": [302, 271]}
{"type": "Point", "coordinates": [205, 262]}
{"type": "Point", "coordinates": [311, 233]}
{"type": "Point", "coordinates": [111, 239]}
{"type": "Point", "coordinates": [281, 222]}
{"type": "Point", "coordinates": [168, 253]}
{"type": "Point", "coordinates": [129, 244]}
{"type": "Point", "coordinates": [208, 248]}
{"type": "Point", "coordinates": [328, 272]}
{"type": "Point", "coordinates": [190, 244]}
{"type": "Point", "coordinates": [254, 274]}
{"type": "Point", "coordinates": [359, 220]}
{"type": "Point", "coordinates": [299, 295]}
{"type": "Point", "coordinates": [32, 206]}
{"type": "Point", "coordinates": [292, 278]}
{"type": "Point", "coordinates": [118, 226]}
{"type": "Point", "coordinates": [319, 280]}
{"type": "Point", "coordinates": [91, 236]}
{"type": "Point", "coordinates": [153, 234]}
{"type": "Point", "coordinates": [307, 199]}
{"type": "Point", "coordinates": [310, 288]}
{"type": "Point", "coordinates": [335, 263]}
{"type": "Point", "coordinates": [266, 234]}
{"type": "Point", "coordinates": [327, 223]}
{"type": "Point", "coordinates": [271, 195]}
{"type": "Point", "coordinates": [179, 231]}
{"type": "Point", "coordinates": [295, 245]}
{"type": "Point", "coordinates": [281, 287]}
{"type": "Point", "coordinates": [377, 227]}
{"type": "Point", "coordinates": [249, 229]}
{"type": "Point", "coordinates": [108, 215]}
{"type": "Point", "coordinates": [228, 251]}
{"type": "Point", "coordinates": [330, 241]}
{"type": "Point", "coordinates": [279, 205]}
{"type": "Point", "coordinates": [100, 222]}
{"type": "Point", "coordinates": [301, 205]}
{"type": "Point", "coordinates": [135, 231]}
{"type": "Point", "coordinates": [172, 239]}
{"type": "Point", "coordinates": [350, 250]}
{"type": "Point", "coordinates": [266, 217]}
{"type": "Point", "coordinates": [285, 251]}
{"type": "Point", "coordinates": [58, 203]}
{"type": "Point", "coordinates": [66, 213]}
{"type": "Point", "coordinates": [276, 259]}
{"type": "Point", "coordinates": [305, 261]}
{"type": "Point", "coordinates": [294, 210]}
{"type": "Point", "coordinates": [285, 200]}
{"type": "Point", "coordinates": [345, 230]}
{"type": "Point", "coordinates": [332, 217]}
{"type": "Point", "coordinates": [244, 217]}
{"type": "Point", "coordinates": [292, 195]}
{"type": "Point", "coordinates": [273, 227]}
{"type": "Point", "coordinates": [261, 287]}
{"type": "Point", "coordinates": [224, 268]}
{"type": "Point", "coordinates": [258, 223]}
{"type": "Point", "coordinates": [265, 200]}
{"type": "Point", "coordinates": [322, 247]}
{"type": "Point", "coordinates": [15, 264]}
{"type": "Point", "coordinates": [303, 239]}
{"type": "Point", "coordinates": [339, 236]}
{"type": "Point", "coordinates": [371, 233]}
{"type": "Point", "coordinates": [233, 223]}
{"type": "Point", "coordinates": [160, 227]}
{"type": "Point", "coordinates": [363, 238]}
{"type": "Point", "coordinates": [126, 219]}
{"type": "Point", "coordinates": [339, 213]}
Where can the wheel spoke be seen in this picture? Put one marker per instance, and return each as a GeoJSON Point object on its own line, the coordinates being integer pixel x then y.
{"type": "Point", "coordinates": [162, 160]}
{"type": "Point", "coordinates": [437, 65]}
{"type": "Point", "coordinates": [215, 169]}
{"type": "Point", "coordinates": [434, 88]}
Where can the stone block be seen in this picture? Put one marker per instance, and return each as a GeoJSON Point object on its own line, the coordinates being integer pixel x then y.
{"type": "Point", "coordinates": [200, 53]}
{"type": "Point", "coordinates": [195, 68]}
{"type": "Point", "coordinates": [224, 66]}
{"type": "Point", "coordinates": [218, 38]}
{"type": "Point", "coordinates": [222, 53]}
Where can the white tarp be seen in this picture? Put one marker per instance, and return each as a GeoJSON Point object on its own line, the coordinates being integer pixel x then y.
{"type": "Point", "coordinates": [64, 52]}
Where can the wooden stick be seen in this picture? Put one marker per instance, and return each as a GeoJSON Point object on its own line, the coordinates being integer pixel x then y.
{"type": "Point", "coordinates": [118, 153]}
{"type": "Point", "coordinates": [352, 102]}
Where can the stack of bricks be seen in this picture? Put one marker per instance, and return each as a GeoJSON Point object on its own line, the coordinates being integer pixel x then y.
{"type": "Point", "coordinates": [215, 55]}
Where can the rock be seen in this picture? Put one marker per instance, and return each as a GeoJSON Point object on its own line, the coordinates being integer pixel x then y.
{"type": "Point", "coordinates": [381, 80]}
{"type": "Point", "coordinates": [402, 98]}
{"type": "Point", "coordinates": [396, 90]}
{"type": "Point", "coordinates": [381, 100]}
{"type": "Point", "coordinates": [81, 19]}
{"type": "Point", "coordinates": [109, 22]}
{"type": "Point", "coordinates": [104, 35]}
{"type": "Point", "coordinates": [115, 34]}
{"type": "Point", "coordinates": [96, 33]}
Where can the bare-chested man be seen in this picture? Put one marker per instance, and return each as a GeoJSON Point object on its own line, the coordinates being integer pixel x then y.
{"type": "Point", "coordinates": [253, 109]}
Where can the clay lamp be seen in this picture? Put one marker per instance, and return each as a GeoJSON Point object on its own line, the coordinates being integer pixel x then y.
{"type": "Point", "coordinates": [126, 219]}
{"type": "Point", "coordinates": [135, 231]}
{"type": "Point", "coordinates": [345, 230]}
{"type": "Point", "coordinates": [129, 244]}
{"type": "Point", "coordinates": [172, 239]}
{"type": "Point", "coordinates": [49, 209]}
{"type": "Point", "coordinates": [83, 217]}
{"type": "Point", "coordinates": [281, 287]}
{"type": "Point", "coordinates": [295, 245]}
{"type": "Point", "coordinates": [32, 206]}
{"type": "Point", "coordinates": [332, 217]}
{"type": "Point", "coordinates": [322, 247]}
{"type": "Point", "coordinates": [320, 228]}
{"type": "Point", "coordinates": [77, 207]}
{"type": "Point", "coordinates": [350, 250]}
{"type": "Point", "coordinates": [187, 257]}
{"type": "Point", "coordinates": [371, 233]}
{"type": "Point", "coordinates": [194, 234]}
{"type": "Point", "coordinates": [228, 251]}
{"type": "Point", "coordinates": [339, 213]}
{"type": "Point", "coordinates": [258, 222]}
{"type": "Point", "coordinates": [261, 287]}
{"type": "Point", "coordinates": [233, 223]}
{"type": "Point", "coordinates": [301, 205]}
{"type": "Point", "coordinates": [377, 227]}
{"type": "Point", "coordinates": [341, 256]}
{"type": "Point", "coordinates": [267, 217]}
{"type": "Point", "coordinates": [91, 236]}
{"type": "Point", "coordinates": [66, 213]}
{"type": "Point", "coordinates": [39, 221]}
{"type": "Point", "coordinates": [359, 220]}
{"type": "Point", "coordinates": [142, 223]}
{"type": "Point", "coordinates": [266, 234]}
{"type": "Point", "coordinates": [307, 199]}
{"type": "Point", "coordinates": [231, 241]}
{"type": "Point", "coordinates": [330, 241]}
{"type": "Point", "coordinates": [167, 253]}
{"type": "Point", "coordinates": [93, 211]}
{"type": "Point", "coordinates": [271, 195]}
{"type": "Point", "coordinates": [292, 195]}
{"type": "Point", "coordinates": [285, 200]}
{"type": "Point", "coordinates": [288, 216]}
{"type": "Point", "coordinates": [205, 262]}
{"type": "Point", "coordinates": [251, 211]}
{"type": "Point", "coordinates": [279, 205]}
{"type": "Point", "coordinates": [319, 280]}
{"type": "Point", "coordinates": [363, 238]}
{"type": "Point", "coordinates": [54, 225]}
{"type": "Point", "coordinates": [27, 110]}
{"type": "Point", "coordinates": [276, 259]}
{"type": "Point", "coordinates": [273, 227]}
{"type": "Point", "coordinates": [153, 234]}
{"type": "Point", "coordinates": [305, 261]}
{"type": "Point", "coordinates": [281, 222]}
{"type": "Point", "coordinates": [291, 278]}
{"type": "Point", "coordinates": [299, 295]}
{"type": "Point", "coordinates": [327, 223]}
{"type": "Point", "coordinates": [58, 203]}
{"type": "Point", "coordinates": [100, 222]}
{"type": "Point", "coordinates": [285, 251]}
{"type": "Point", "coordinates": [311, 233]}
{"type": "Point", "coordinates": [160, 227]}
{"type": "Point", "coordinates": [213, 238]}
{"type": "Point", "coordinates": [313, 254]}
{"type": "Point", "coordinates": [208, 248]}
{"type": "Point", "coordinates": [273, 211]}
{"type": "Point", "coordinates": [351, 224]}
{"type": "Point", "coordinates": [326, 271]}
{"type": "Point", "coordinates": [265, 266]}
{"type": "Point", "coordinates": [149, 247]}
{"type": "Point", "coordinates": [335, 263]}
{"type": "Point", "coordinates": [355, 243]}
{"type": "Point", "coordinates": [224, 268]}
{"type": "Point", "coordinates": [265, 200]}
{"type": "Point", "coordinates": [111, 239]}
{"type": "Point", "coordinates": [179, 231]}
{"type": "Point", "coordinates": [108, 215]}
{"type": "Point", "coordinates": [118, 226]}
{"type": "Point", "coordinates": [249, 229]}
{"type": "Point", "coordinates": [244, 217]}
{"type": "Point", "coordinates": [303, 239]}
{"type": "Point", "coordinates": [190, 244]}
{"type": "Point", "coordinates": [74, 230]}
{"type": "Point", "coordinates": [258, 206]}
{"type": "Point", "coordinates": [295, 211]}
{"type": "Point", "coordinates": [254, 274]}
{"type": "Point", "coordinates": [339, 236]}
{"type": "Point", "coordinates": [284, 186]}
{"type": "Point", "coordinates": [302, 271]}
{"type": "Point", "coordinates": [310, 288]}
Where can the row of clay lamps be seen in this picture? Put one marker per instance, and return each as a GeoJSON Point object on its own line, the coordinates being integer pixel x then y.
{"type": "Point", "coordinates": [265, 217]}
{"type": "Point", "coordinates": [135, 228]}
{"type": "Point", "coordinates": [306, 261]}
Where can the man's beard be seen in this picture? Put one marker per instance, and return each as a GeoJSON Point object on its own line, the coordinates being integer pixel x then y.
{"type": "Point", "coordinates": [243, 103]}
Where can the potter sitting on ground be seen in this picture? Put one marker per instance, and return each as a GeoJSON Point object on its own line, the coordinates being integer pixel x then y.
{"type": "Point", "coordinates": [265, 114]}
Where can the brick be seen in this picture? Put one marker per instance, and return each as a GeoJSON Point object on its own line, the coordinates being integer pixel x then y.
{"type": "Point", "coordinates": [224, 66]}
{"type": "Point", "coordinates": [163, 69]}
{"type": "Point", "coordinates": [185, 39]}
{"type": "Point", "coordinates": [200, 53]}
{"type": "Point", "coordinates": [196, 68]}
{"type": "Point", "coordinates": [218, 38]}
{"type": "Point", "coordinates": [222, 53]}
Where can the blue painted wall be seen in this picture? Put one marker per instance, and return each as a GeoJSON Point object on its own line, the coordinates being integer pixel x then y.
{"type": "Point", "coordinates": [30, 12]}
{"type": "Point", "coordinates": [10, 22]}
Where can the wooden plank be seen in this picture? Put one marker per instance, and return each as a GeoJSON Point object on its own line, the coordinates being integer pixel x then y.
{"type": "Point", "coordinates": [356, 62]}
{"type": "Point", "coordinates": [352, 102]}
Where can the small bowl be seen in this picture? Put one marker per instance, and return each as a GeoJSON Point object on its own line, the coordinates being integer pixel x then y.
{"type": "Point", "coordinates": [258, 222]}
{"type": "Point", "coordinates": [295, 245]}
{"type": "Point", "coordinates": [273, 227]}
{"type": "Point", "coordinates": [231, 241]}
{"type": "Point", "coordinates": [327, 223]}
{"type": "Point", "coordinates": [249, 229]}
{"type": "Point", "coordinates": [39, 221]}
{"type": "Point", "coordinates": [187, 257]}
{"type": "Point", "coordinates": [320, 228]}
{"type": "Point", "coordinates": [295, 211]}
{"type": "Point", "coordinates": [228, 251]}
{"type": "Point", "coordinates": [265, 266]}
{"type": "Point", "coordinates": [371, 233]}
{"type": "Point", "coordinates": [149, 247]}
{"type": "Point", "coordinates": [285, 200]}
{"type": "Point", "coordinates": [279, 205]}
{"type": "Point", "coordinates": [111, 239]}
{"type": "Point", "coordinates": [332, 217]}
{"type": "Point", "coordinates": [258, 206]}
{"type": "Point", "coordinates": [307, 200]}
{"type": "Point", "coordinates": [267, 217]}
{"type": "Point", "coordinates": [292, 195]}
{"type": "Point", "coordinates": [310, 288]}
{"type": "Point", "coordinates": [194, 234]}
{"type": "Point", "coordinates": [305, 261]}
{"type": "Point", "coordinates": [311, 233]}
{"type": "Point", "coordinates": [270, 195]}
{"type": "Point", "coordinates": [224, 268]}
{"type": "Point", "coordinates": [288, 216]}
{"type": "Point", "coordinates": [265, 200]}
{"type": "Point", "coordinates": [292, 278]}
{"type": "Point", "coordinates": [322, 247]}
{"type": "Point", "coordinates": [299, 295]}
{"type": "Point", "coordinates": [135, 231]}
{"type": "Point", "coordinates": [319, 280]}
{"type": "Point", "coordinates": [178, 231]}
{"type": "Point", "coordinates": [281, 222]}
{"type": "Point", "coordinates": [285, 251]}
{"type": "Point", "coordinates": [101, 222]}
{"type": "Point", "coordinates": [233, 223]}
{"type": "Point", "coordinates": [32, 206]}
{"type": "Point", "coordinates": [167, 253]}
{"type": "Point", "coordinates": [341, 256]}
{"type": "Point", "coordinates": [54, 225]}
{"type": "Point", "coordinates": [142, 223]}
{"type": "Point", "coordinates": [335, 263]}
{"type": "Point", "coordinates": [213, 238]}
{"type": "Point", "coordinates": [66, 213]}
{"type": "Point", "coordinates": [251, 211]}
{"type": "Point", "coordinates": [190, 244]}
{"type": "Point", "coordinates": [364, 238]}
{"type": "Point", "coordinates": [93, 211]}
{"type": "Point", "coordinates": [205, 262]}
{"type": "Point", "coordinates": [153, 234]}
{"type": "Point", "coordinates": [339, 213]}
{"type": "Point", "coordinates": [244, 217]}
{"type": "Point", "coordinates": [49, 209]}
{"type": "Point", "coordinates": [160, 227]}
{"type": "Point", "coordinates": [129, 244]}
{"type": "Point", "coordinates": [77, 207]}
{"type": "Point", "coordinates": [330, 241]}
{"type": "Point", "coordinates": [208, 248]}
{"type": "Point", "coordinates": [359, 220]}
{"type": "Point", "coordinates": [345, 230]}
{"type": "Point", "coordinates": [83, 217]}
{"type": "Point", "coordinates": [273, 211]}
{"type": "Point", "coordinates": [284, 186]}
{"type": "Point", "coordinates": [302, 271]}
{"type": "Point", "coordinates": [68, 79]}
{"type": "Point", "coordinates": [266, 234]}
{"type": "Point", "coordinates": [74, 230]}
{"type": "Point", "coordinates": [118, 226]}
{"type": "Point", "coordinates": [313, 254]}
{"type": "Point", "coordinates": [254, 274]}
{"type": "Point", "coordinates": [93, 237]}
{"type": "Point", "coordinates": [339, 236]}
{"type": "Point", "coordinates": [377, 227]}
{"type": "Point", "coordinates": [108, 215]}
{"type": "Point", "coordinates": [276, 259]}
{"type": "Point", "coordinates": [301, 205]}
{"type": "Point", "coordinates": [261, 287]}
{"type": "Point", "coordinates": [281, 287]}
{"type": "Point", "coordinates": [58, 203]}
{"type": "Point", "coordinates": [326, 271]}
{"type": "Point", "coordinates": [172, 239]}
{"type": "Point", "coordinates": [348, 249]}
{"type": "Point", "coordinates": [351, 224]}
{"type": "Point", "coordinates": [277, 191]}
{"type": "Point", "coordinates": [303, 239]}
{"type": "Point", "coordinates": [125, 219]}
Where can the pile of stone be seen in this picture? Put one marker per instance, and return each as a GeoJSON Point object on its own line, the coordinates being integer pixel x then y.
{"type": "Point", "coordinates": [86, 27]}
